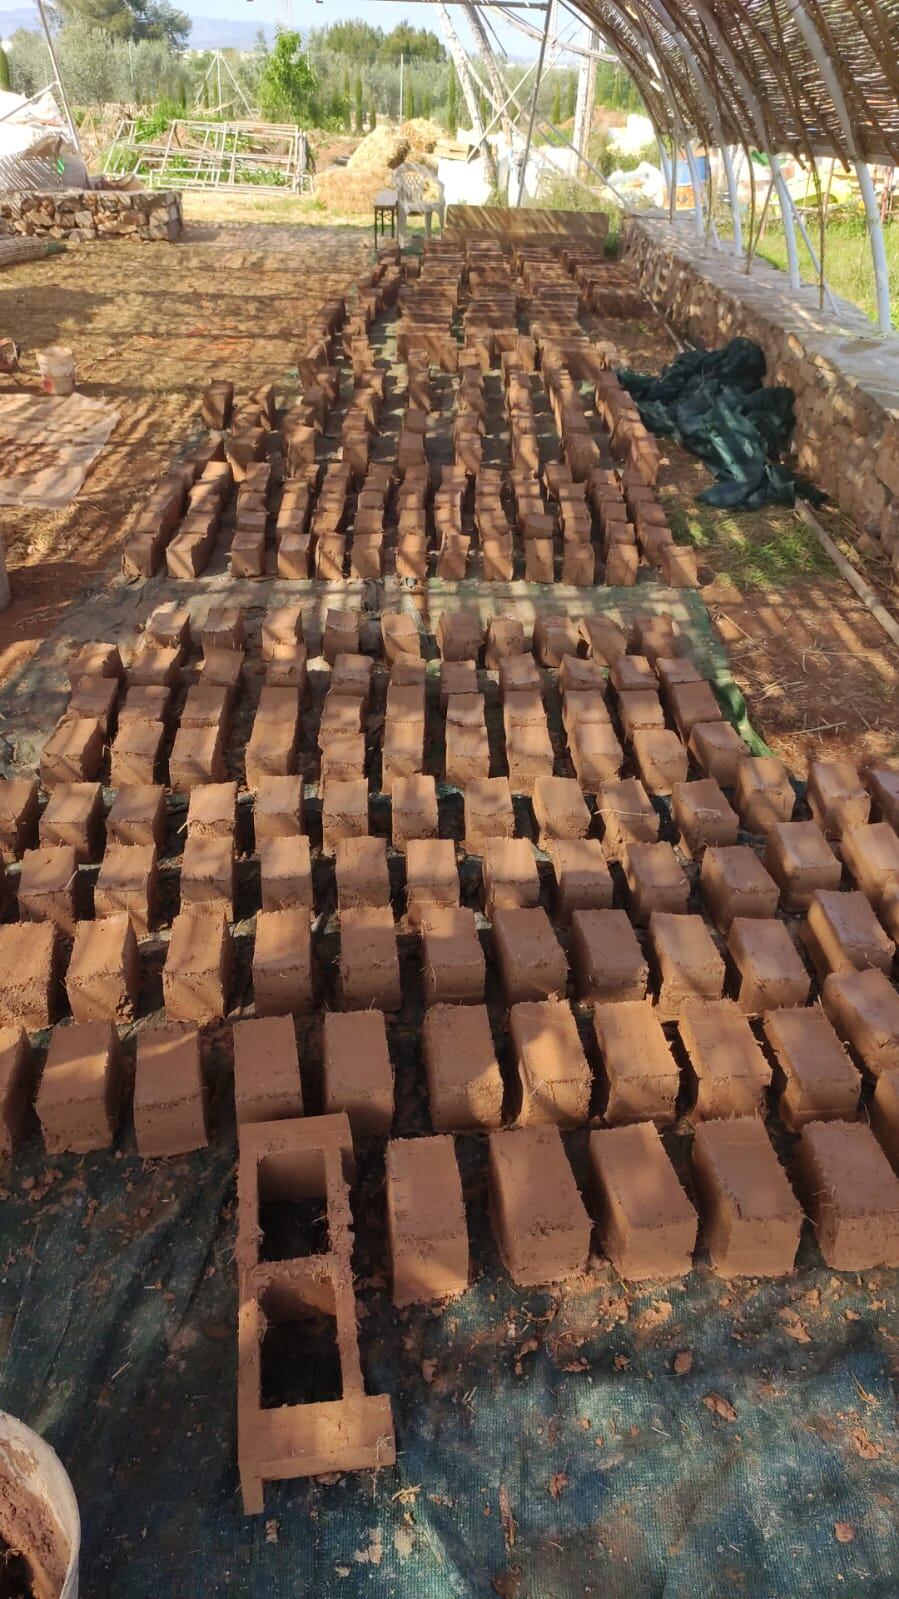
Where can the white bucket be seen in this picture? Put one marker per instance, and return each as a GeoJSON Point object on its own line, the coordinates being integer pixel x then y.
{"type": "Point", "coordinates": [56, 365]}
{"type": "Point", "coordinates": [38, 1510]}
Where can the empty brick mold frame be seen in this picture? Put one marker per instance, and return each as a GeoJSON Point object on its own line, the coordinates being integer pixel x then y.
{"type": "Point", "coordinates": [302, 1409]}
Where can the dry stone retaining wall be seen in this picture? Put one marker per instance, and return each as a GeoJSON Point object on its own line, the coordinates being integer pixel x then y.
{"type": "Point", "coordinates": [845, 377]}
{"type": "Point", "coordinates": [77, 215]}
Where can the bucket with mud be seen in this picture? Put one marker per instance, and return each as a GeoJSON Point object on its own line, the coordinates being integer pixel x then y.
{"type": "Point", "coordinates": [56, 365]}
{"type": "Point", "coordinates": [40, 1529]}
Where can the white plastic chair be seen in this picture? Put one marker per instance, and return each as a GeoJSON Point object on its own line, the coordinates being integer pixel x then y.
{"type": "Point", "coordinates": [413, 182]}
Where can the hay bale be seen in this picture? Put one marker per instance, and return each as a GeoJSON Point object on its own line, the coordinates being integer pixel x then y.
{"type": "Point", "coordinates": [349, 193]}
{"type": "Point", "coordinates": [380, 150]}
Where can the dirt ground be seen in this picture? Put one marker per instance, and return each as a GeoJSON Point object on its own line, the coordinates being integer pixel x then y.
{"type": "Point", "coordinates": [150, 323]}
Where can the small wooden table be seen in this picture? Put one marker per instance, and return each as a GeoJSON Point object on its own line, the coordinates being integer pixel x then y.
{"type": "Point", "coordinates": [385, 210]}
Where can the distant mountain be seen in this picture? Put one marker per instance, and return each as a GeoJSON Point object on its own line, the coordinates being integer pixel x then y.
{"type": "Point", "coordinates": [207, 33]}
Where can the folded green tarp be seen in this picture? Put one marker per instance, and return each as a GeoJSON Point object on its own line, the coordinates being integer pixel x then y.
{"type": "Point", "coordinates": [715, 404]}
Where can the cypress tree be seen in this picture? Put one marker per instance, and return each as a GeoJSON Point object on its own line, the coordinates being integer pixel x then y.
{"type": "Point", "coordinates": [452, 106]}
{"type": "Point", "coordinates": [4, 69]}
{"type": "Point", "coordinates": [360, 109]}
{"type": "Point", "coordinates": [555, 115]}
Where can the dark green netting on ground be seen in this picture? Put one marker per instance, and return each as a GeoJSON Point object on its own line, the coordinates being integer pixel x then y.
{"type": "Point", "coordinates": [715, 404]}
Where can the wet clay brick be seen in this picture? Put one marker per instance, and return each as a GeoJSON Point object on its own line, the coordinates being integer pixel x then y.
{"type": "Point", "coordinates": [369, 962]}
{"type": "Point", "coordinates": [510, 875]}
{"type": "Point", "coordinates": [136, 754]}
{"type": "Point", "coordinates": [864, 1009]}
{"type": "Point", "coordinates": [426, 1225]}
{"type": "Point", "coordinates": [837, 797]}
{"type": "Point", "coordinates": [882, 783]}
{"type": "Point", "coordinates": [74, 815]}
{"type": "Point", "coordinates": [156, 663]}
{"type": "Point", "coordinates": [207, 706]}
{"type": "Point", "coordinates": [452, 959]}
{"type": "Point", "coordinates": [661, 759]}
{"type": "Point", "coordinates": [457, 678]}
{"type": "Point", "coordinates": [400, 636]}
{"type": "Point", "coordinates": [103, 979]}
{"type": "Point", "coordinates": [432, 876]}
{"type": "Point", "coordinates": [851, 1193]}
{"type": "Point", "coordinates": [717, 750]}
{"type": "Point", "coordinates": [223, 629]}
{"type": "Point", "coordinates": [29, 960]}
{"type": "Point", "coordinates": [212, 811]}
{"type": "Point", "coordinates": [138, 815]}
{"type": "Point", "coordinates": [48, 886]}
{"type": "Point", "coordinates": [465, 1088]}
{"type": "Point", "coordinates": [16, 1085]}
{"type": "Point", "coordinates": [640, 1074]}
{"type": "Point", "coordinates": [560, 808]}
{"type": "Point", "coordinates": [74, 752]}
{"type": "Point", "coordinates": [628, 816]}
{"type": "Point", "coordinates": [357, 1073]}
{"type": "Point", "coordinates": [344, 812]}
{"type": "Point", "coordinates": [196, 757]}
{"type": "Point", "coordinates": [128, 882]}
{"type": "Point", "coordinates": [554, 1079]}
{"type": "Point", "coordinates": [519, 673]}
{"type": "Point", "coordinates": [751, 1219]}
{"type": "Point", "coordinates": [606, 958]}
{"type": "Point", "coordinates": [647, 1225]}
{"type": "Point", "coordinates": [813, 1075]}
{"type": "Point", "coordinates": [554, 638]}
{"type": "Point", "coordinates": [605, 640]}
{"type": "Point", "coordinates": [531, 961]}
{"type": "Point", "coordinates": [686, 962]}
{"type": "Point", "coordinates": [267, 1083]}
{"type": "Point", "coordinates": [883, 1111]}
{"type": "Point", "coordinates": [841, 932]}
{"type": "Point", "coordinates": [655, 880]}
{"type": "Point", "coordinates": [459, 635]}
{"type": "Point", "coordinates": [18, 816]}
{"type": "Point", "coordinates": [632, 672]}
{"type": "Point", "coordinates": [283, 980]}
{"type": "Point", "coordinates": [735, 883]}
{"type": "Point", "coordinates": [196, 976]}
{"type": "Point", "coordinates": [362, 875]}
{"type": "Point", "coordinates": [768, 965]}
{"type": "Point", "coordinates": [207, 874]}
{"type": "Point", "coordinates": [467, 754]}
{"type": "Point", "coordinates": [729, 1071]}
{"type": "Point", "coordinates": [169, 1101]}
{"type": "Point", "coordinates": [505, 637]}
{"type": "Point", "coordinates": [583, 881]}
{"type": "Point", "coordinates": [278, 808]}
{"type": "Point", "coordinates": [94, 699]}
{"type": "Point", "coordinates": [95, 660]}
{"type": "Point", "coordinates": [529, 754]}
{"type": "Point", "coordinates": [146, 702]}
{"type": "Point", "coordinates": [79, 1091]}
{"type": "Point", "coordinates": [539, 1220]}
{"type": "Point", "coordinates": [703, 816]}
{"type": "Point", "coordinates": [763, 793]}
{"type": "Point", "coordinates": [691, 703]}
{"type": "Point", "coordinates": [800, 860]}
{"type": "Point", "coordinates": [285, 873]}
{"type": "Point", "coordinates": [639, 710]}
{"type": "Point", "coordinates": [871, 856]}
{"type": "Point", "coordinates": [170, 624]}
{"type": "Point", "coordinates": [488, 812]}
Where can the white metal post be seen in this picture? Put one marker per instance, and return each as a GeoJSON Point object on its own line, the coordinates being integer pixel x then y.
{"type": "Point", "coordinates": [698, 213]}
{"type": "Point", "coordinates": [73, 131]}
{"type": "Point", "coordinates": [550, 10]}
{"type": "Point", "coordinates": [786, 212]}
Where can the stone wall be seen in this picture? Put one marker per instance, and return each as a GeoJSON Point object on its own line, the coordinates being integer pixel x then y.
{"type": "Point", "coordinates": [77, 215]}
{"type": "Point", "coordinates": [845, 377]}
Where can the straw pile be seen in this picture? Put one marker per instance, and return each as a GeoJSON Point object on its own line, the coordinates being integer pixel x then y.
{"type": "Point", "coordinates": [351, 189]}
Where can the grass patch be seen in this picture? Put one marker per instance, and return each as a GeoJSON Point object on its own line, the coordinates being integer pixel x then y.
{"type": "Point", "coordinates": [848, 266]}
{"type": "Point", "coordinates": [759, 550]}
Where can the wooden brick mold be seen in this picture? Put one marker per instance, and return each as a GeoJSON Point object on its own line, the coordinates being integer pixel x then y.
{"type": "Point", "coordinates": [281, 1436]}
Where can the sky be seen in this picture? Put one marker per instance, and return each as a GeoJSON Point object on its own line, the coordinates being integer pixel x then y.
{"type": "Point", "coordinates": [305, 14]}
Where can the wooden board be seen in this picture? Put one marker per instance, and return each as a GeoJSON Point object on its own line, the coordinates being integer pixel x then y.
{"type": "Point", "coordinates": [505, 223]}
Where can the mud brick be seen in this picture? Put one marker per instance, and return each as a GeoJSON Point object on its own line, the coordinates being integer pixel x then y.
{"type": "Point", "coordinates": [357, 1071]}
{"type": "Point", "coordinates": [841, 933]}
{"type": "Point", "coordinates": [73, 753]}
{"type": "Point", "coordinates": [207, 874]}
{"type": "Point", "coordinates": [341, 635]}
{"type": "Point", "coordinates": [212, 811]}
{"type": "Point", "coordinates": [882, 783]}
{"type": "Point", "coordinates": [560, 809]}
{"type": "Point", "coordinates": [864, 1009]}
{"type": "Point", "coordinates": [639, 709]}
{"type": "Point", "coordinates": [703, 816]}
{"type": "Point", "coordinates": [656, 881]}
{"type": "Point", "coordinates": [497, 560]}
{"type": "Point", "coordinates": [532, 964]}
{"type": "Point", "coordinates": [467, 754]}
{"type": "Point", "coordinates": [282, 631]}
{"type": "Point", "coordinates": [283, 976]}
{"type": "Point", "coordinates": [685, 961]}
{"type": "Point", "coordinates": [18, 816]}
{"type": "Point", "coordinates": [197, 972]}
{"type": "Point", "coordinates": [270, 751]}
{"type": "Point", "coordinates": [751, 1219]}
{"type": "Point", "coordinates": [520, 674]}
{"type": "Point", "coordinates": [369, 963]}
{"type": "Point", "coordinates": [596, 753]}
{"type": "Point", "coordinates": [136, 754]}
{"type": "Point", "coordinates": [554, 638]}
{"type": "Point", "coordinates": [169, 1100]}
{"type": "Point", "coordinates": [661, 759]}
{"type": "Point", "coordinates": [768, 965]}
{"type": "Point", "coordinates": [340, 715]}
{"type": "Point", "coordinates": [763, 793]}
{"type": "Point", "coordinates": [647, 1225]}
{"type": "Point", "coordinates": [871, 855]}
{"type": "Point", "coordinates": [95, 660]}
{"type": "Point", "coordinates": [883, 1111]}
{"type": "Point", "coordinates": [554, 1079]}
{"type": "Point", "coordinates": [523, 708]}
{"type": "Point", "coordinates": [294, 556]}
{"type": "Point", "coordinates": [814, 1077]}
{"type": "Point", "coordinates": [412, 556]}
{"type": "Point", "coordinates": [452, 959]}
{"type": "Point", "coordinates": [729, 1072]}
{"type": "Point", "coordinates": [426, 1226]}
{"type": "Point", "coordinates": [460, 635]}
{"type": "Point", "coordinates": [103, 979]}
{"type": "Point", "coordinates": [632, 673]}
{"type": "Point", "coordinates": [581, 876]}
{"type": "Point", "coordinates": [800, 860]}
{"type": "Point", "coordinates": [362, 875]}
{"type": "Point", "coordinates": [510, 877]}
{"type": "Point", "coordinates": [488, 812]}
{"type": "Point", "coordinates": [16, 1086]}
{"type": "Point", "coordinates": [351, 677]}
{"type": "Point", "coordinates": [344, 812]}
{"type": "Point", "coordinates": [145, 702]}
{"type": "Point", "coordinates": [74, 815]}
{"type": "Point", "coordinates": [225, 669]}
{"type": "Point", "coordinates": [289, 671]}
{"type": "Point", "coordinates": [367, 556]}
{"type": "Point", "coordinates": [285, 870]}
{"type": "Point", "coordinates": [48, 886]}
{"type": "Point", "coordinates": [278, 809]}
{"type": "Point", "coordinates": [529, 754]}
{"type": "Point", "coordinates": [851, 1194]}
{"type": "Point", "coordinates": [581, 677]}
{"type": "Point", "coordinates": [218, 401]}
{"type": "Point", "coordinates": [505, 638]}
{"type": "Point", "coordinates": [465, 1087]}
{"type": "Point", "coordinates": [156, 664]}
{"type": "Point", "coordinates": [691, 703]}
{"type": "Point", "coordinates": [189, 552]}
{"type": "Point", "coordinates": [196, 757]}
{"type": "Point", "coordinates": [207, 706]}
{"type": "Point", "coordinates": [836, 797]}
{"type": "Point", "coordinates": [541, 1226]}
{"type": "Point", "coordinates": [406, 702]}
{"type": "Point", "coordinates": [432, 877]}
{"type": "Point", "coordinates": [735, 883]}
{"type": "Point", "coordinates": [138, 816]}
{"type": "Point", "coordinates": [679, 564]}
{"type": "Point", "coordinates": [717, 749]}
{"type": "Point", "coordinates": [640, 1074]}
{"type": "Point", "coordinates": [29, 955]}
{"type": "Point", "coordinates": [330, 557]}
{"type": "Point", "coordinates": [400, 636]}
{"type": "Point", "coordinates": [267, 1083]}
{"type": "Point", "coordinates": [622, 563]}
{"type": "Point", "coordinates": [79, 1092]}
{"type": "Point", "coordinates": [170, 625]}
{"type": "Point", "coordinates": [457, 679]}
{"type": "Point", "coordinates": [94, 699]}
{"type": "Point", "coordinates": [628, 816]}
{"type": "Point", "coordinates": [142, 555]}
{"type": "Point", "coordinates": [607, 961]}
{"type": "Point", "coordinates": [539, 561]}
{"type": "Point", "coordinates": [413, 808]}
